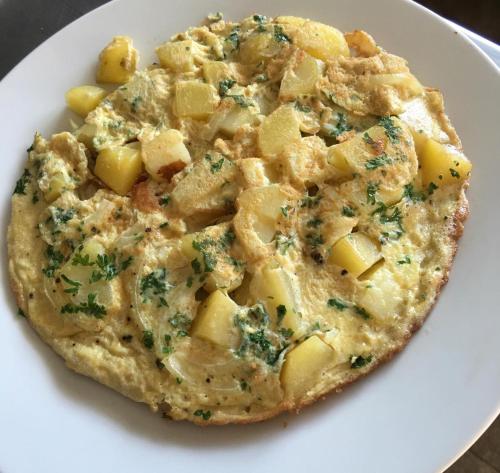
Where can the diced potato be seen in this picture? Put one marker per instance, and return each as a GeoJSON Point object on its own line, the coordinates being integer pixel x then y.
{"type": "Point", "coordinates": [195, 99]}
{"type": "Point", "coordinates": [277, 130]}
{"type": "Point", "coordinates": [321, 41]}
{"type": "Point", "coordinates": [85, 134]}
{"type": "Point", "coordinates": [117, 61]}
{"type": "Point", "coordinates": [303, 366]}
{"type": "Point", "coordinates": [302, 78]}
{"type": "Point", "coordinates": [258, 47]}
{"type": "Point", "coordinates": [290, 20]}
{"type": "Point", "coordinates": [258, 211]}
{"type": "Point", "coordinates": [215, 72]}
{"type": "Point", "coordinates": [84, 99]}
{"type": "Point", "coordinates": [403, 81]}
{"type": "Point", "coordinates": [119, 167]}
{"type": "Point", "coordinates": [443, 164]}
{"type": "Point", "coordinates": [215, 320]}
{"type": "Point", "coordinates": [58, 184]}
{"type": "Point", "coordinates": [237, 118]}
{"type": "Point", "coordinates": [177, 56]}
{"type": "Point", "coordinates": [276, 289]}
{"type": "Point", "coordinates": [356, 253]}
{"type": "Point", "coordinates": [380, 294]}
{"type": "Point", "coordinates": [389, 196]}
{"type": "Point", "coordinates": [419, 138]}
{"type": "Point", "coordinates": [336, 157]}
{"type": "Point", "coordinates": [165, 155]}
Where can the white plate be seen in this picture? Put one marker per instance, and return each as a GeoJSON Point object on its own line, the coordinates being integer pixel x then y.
{"type": "Point", "coordinates": [417, 414]}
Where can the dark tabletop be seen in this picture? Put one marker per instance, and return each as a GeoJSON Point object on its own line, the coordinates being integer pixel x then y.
{"type": "Point", "coordinates": [24, 24]}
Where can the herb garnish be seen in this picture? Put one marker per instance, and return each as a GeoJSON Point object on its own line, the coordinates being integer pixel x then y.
{"type": "Point", "coordinates": [348, 211]}
{"type": "Point", "coordinates": [377, 161]}
{"type": "Point", "coordinates": [280, 312]}
{"type": "Point", "coordinates": [91, 308]}
{"type": "Point", "coordinates": [154, 284]}
{"type": "Point", "coordinates": [405, 260]}
{"type": "Point", "coordinates": [392, 131]}
{"type": "Point", "coordinates": [336, 303]}
{"type": "Point", "coordinates": [371, 191]}
{"type": "Point", "coordinates": [314, 222]}
{"type": "Point", "coordinates": [55, 258]}
{"type": "Point", "coordinates": [280, 36]}
{"type": "Point", "coordinates": [148, 339]}
{"type": "Point", "coordinates": [22, 182]}
{"type": "Point", "coordinates": [225, 85]}
{"type": "Point", "coordinates": [74, 285]}
{"type": "Point", "coordinates": [284, 242]}
{"type": "Point", "coordinates": [454, 173]}
{"type": "Point", "coordinates": [205, 415]}
{"type": "Point", "coordinates": [358, 361]}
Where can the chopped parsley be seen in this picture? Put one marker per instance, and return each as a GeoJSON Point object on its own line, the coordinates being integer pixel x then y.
{"type": "Point", "coordinates": [454, 173]}
{"type": "Point", "coordinates": [361, 312]}
{"type": "Point", "coordinates": [284, 242]}
{"type": "Point", "coordinates": [20, 312]}
{"type": "Point", "coordinates": [108, 267]}
{"type": "Point", "coordinates": [148, 339]}
{"type": "Point", "coordinates": [348, 211]}
{"type": "Point", "coordinates": [55, 259]}
{"type": "Point", "coordinates": [181, 322]}
{"type": "Point", "coordinates": [405, 260]}
{"type": "Point", "coordinates": [411, 194]}
{"type": "Point", "coordinates": [301, 107]}
{"type": "Point", "coordinates": [74, 286]}
{"type": "Point", "coordinates": [310, 202]}
{"type": "Point", "coordinates": [391, 131]}
{"type": "Point", "coordinates": [260, 20]}
{"type": "Point", "coordinates": [205, 415]}
{"type": "Point", "coordinates": [134, 105]}
{"type": "Point", "coordinates": [286, 332]}
{"type": "Point", "coordinates": [314, 239]}
{"type": "Point", "coordinates": [217, 166]}
{"type": "Point", "coordinates": [368, 139]}
{"type": "Point", "coordinates": [82, 260]}
{"type": "Point", "coordinates": [196, 265]}
{"type": "Point", "coordinates": [22, 182]}
{"type": "Point", "coordinates": [280, 36]}
{"type": "Point", "coordinates": [164, 201]}
{"type": "Point", "coordinates": [285, 210]}
{"type": "Point", "coordinates": [341, 127]}
{"type": "Point", "coordinates": [378, 162]}
{"type": "Point", "coordinates": [241, 100]}
{"type": "Point", "coordinates": [371, 192]}
{"type": "Point", "coordinates": [225, 85]}
{"type": "Point", "coordinates": [90, 308]}
{"type": "Point", "coordinates": [336, 303]}
{"type": "Point", "coordinates": [234, 39]}
{"type": "Point", "coordinates": [431, 188]}
{"type": "Point", "coordinates": [358, 361]}
{"type": "Point", "coordinates": [154, 284]}
{"type": "Point", "coordinates": [314, 222]}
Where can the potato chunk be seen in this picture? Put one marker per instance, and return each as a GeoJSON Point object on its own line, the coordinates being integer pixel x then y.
{"type": "Point", "coordinates": [195, 99]}
{"type": "Point", "coordinates": [165, 155]}
{"type": "Point", "coordinates": [236, 118]}
{"type": "Point", "coordinates": [277, 130]}
{"type": "Point", "coordinates": [177, 56]}
{"type": "Point", "coordinates": [215, 72]}
{"type": "Point", "coordinates": [258, 211]}
{"type": "Point", "coordinates": [117, 61]}
{"type": "Point", "coordinates": [84, 99]}
{"type": "Point", "coordinates": [302, 78]}
{"type": "Point", "coordinates": [304, 365]}
{"type": "Point", "coordinates": [321, 41]}
{"type": "Point", "coordinates": [60, 182]}
{"type": "Point", "coordinates": [356, 253]}
{"type": "Point", "coordinates": [215, 320]}
{"type": "Point", "coordinates": [443, 164]}
{"type": "Point", "coordinates": [380, 295]}
{"type": "Point", "coordinates": [258, 47]}
{"type": "Point", "coordinates": [119, 167]}
{"type": "Point", "coordinates": [404, 81]}
{"type": "Point", "coordinates": [278, 291]}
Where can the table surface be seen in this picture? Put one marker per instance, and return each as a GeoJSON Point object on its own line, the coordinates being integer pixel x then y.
{"type": "Point", "coordinates": [21, 33]}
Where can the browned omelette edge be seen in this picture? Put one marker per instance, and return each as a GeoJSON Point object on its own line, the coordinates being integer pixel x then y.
{"type": "Point", "coordinates": [455, 228]}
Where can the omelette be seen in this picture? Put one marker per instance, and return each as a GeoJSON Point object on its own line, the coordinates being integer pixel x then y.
{"type": "Point", "coordinates": [262, 217]}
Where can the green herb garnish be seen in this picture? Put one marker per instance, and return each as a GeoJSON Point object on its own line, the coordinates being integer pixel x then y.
{"type": "Point", "coordinates": [91, 308]}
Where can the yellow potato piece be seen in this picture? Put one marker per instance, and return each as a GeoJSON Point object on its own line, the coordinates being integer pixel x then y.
{"type": "Point", "coordinates": [165, 155]}
{"type": "Point", "coordinates": [356, 253]}
{"type": "Point", "coordinates": [117, 61]}
{"type": "Point", "coordinates": [302, 79]}
{"type": "Point", "coordinates": [195, 99]}
{"type": "Point", "coordinates": [321, 41]}
{"type": "Point", "coordinates": [119, 167]}
{"type": "Point", "coordinates": [177, 56]}
{"type": "Point", "coordinates": [215, 320]}
{"type": "Point", "coordinates": [58, 184]}
{"type": "Point", "coordinates": [443, 164]}
{"type": "Point", "coordinates": [276, 289]}
{"type": "Point", "coordinates": [303, 366]}
{"type": "Point", "coordinates": [403, 81]}
{"type": "Point", "coordinates": [215, 72]}
{"type": "Point", "coordinates": [277, 130]}
{"type": "Point", "coordinates": [258, 47]}
{"type": "Point", "coordinates": [84, 99]}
